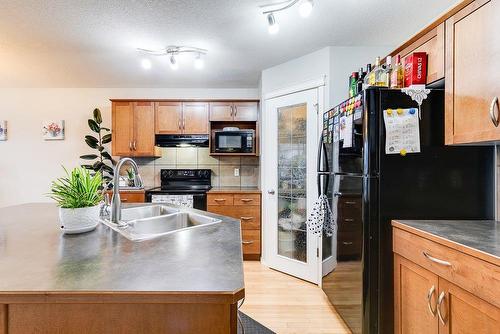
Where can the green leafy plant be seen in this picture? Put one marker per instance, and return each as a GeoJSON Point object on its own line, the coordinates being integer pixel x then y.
{"type": "Point", "coordinates": [102, 161]}
{"type": "Point", "coordinates": [78, 189]}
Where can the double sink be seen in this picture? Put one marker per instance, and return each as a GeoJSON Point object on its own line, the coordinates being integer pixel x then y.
{"type": "Point", "coordinates": [152, 221]}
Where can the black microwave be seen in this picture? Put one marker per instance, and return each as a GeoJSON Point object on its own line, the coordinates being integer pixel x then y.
{"type": "Point", "coordinates": [241, 141]}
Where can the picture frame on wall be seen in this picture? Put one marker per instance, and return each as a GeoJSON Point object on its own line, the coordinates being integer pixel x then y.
{"type": "Point", "coordinates": [53, 130]}
{"type": "Point", "coordinates": [3, 130]}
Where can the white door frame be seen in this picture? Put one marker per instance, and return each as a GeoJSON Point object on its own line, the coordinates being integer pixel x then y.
{"type": "Point", "coordinates": [266, 151]}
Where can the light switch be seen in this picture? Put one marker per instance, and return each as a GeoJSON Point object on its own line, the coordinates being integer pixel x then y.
{"type": "Point", "coordinates": [236, 172]}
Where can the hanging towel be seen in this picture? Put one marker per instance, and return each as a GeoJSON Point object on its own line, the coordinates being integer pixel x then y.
{"type": "Point", "coordinates": [321, 218]}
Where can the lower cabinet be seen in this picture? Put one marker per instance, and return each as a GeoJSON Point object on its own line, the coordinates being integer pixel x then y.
{"type": "Point", "coordinates": [246, 207]}
{"type": "Point", "coordinates": [426, 302]}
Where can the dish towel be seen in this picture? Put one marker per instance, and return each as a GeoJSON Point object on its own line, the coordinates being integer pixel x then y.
{"type": "Point", "coordinates": [321, 218]}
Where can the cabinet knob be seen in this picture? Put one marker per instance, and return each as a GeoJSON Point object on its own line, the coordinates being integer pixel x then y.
{"type": "Point", "coordinates": [271, 192]}
{"type": "Point", "coordinates": [493, 107]}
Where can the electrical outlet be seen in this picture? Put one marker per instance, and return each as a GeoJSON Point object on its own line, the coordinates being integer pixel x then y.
{"type": "Point", "coordinates": [236, 172]}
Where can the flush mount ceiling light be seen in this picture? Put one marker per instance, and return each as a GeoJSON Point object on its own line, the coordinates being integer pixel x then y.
{"type": "Point", "coordinates": [305, 9]}
{"type": "Point", "coordinates": [173, 51]}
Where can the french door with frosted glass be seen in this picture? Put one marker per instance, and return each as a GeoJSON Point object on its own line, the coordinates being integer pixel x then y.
{"type": "Point", "coordinates": [289, 180]}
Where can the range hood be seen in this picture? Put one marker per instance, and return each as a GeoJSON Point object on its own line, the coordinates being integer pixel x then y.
{"type": "Point", "coordinates": [181, 140]}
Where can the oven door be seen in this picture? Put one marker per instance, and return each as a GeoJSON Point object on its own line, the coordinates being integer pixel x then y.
{"type": "Point", "coordinates": [234, 142]}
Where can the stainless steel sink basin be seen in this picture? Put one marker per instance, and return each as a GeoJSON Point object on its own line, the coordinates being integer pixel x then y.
{"type": "Point", "coordinates": [141, 212]}
{"type": "Point", "coordinates": [157, 222]}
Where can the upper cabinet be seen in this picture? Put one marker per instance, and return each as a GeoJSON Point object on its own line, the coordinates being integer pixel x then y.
{"type": "Point", "coordinates": [432, 43]}
{"type": "Point", "coordinates": [472, 81]}
{"type": "Point", "coordinates": [234, 111]}
{"type": "Point", "coordinates": [133, 129]}
{"type": "Point", "coordinates": [181, 118]}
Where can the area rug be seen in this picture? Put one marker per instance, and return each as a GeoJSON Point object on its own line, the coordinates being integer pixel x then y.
{"type": "Point", "coordinates": [251, 326]}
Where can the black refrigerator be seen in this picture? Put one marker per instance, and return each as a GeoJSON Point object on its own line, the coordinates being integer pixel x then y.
{"type": "Point", "coordinates": [368, 188]}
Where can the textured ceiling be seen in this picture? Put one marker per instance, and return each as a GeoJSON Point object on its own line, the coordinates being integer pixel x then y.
{"type": "Point", "coordinates": [90, 43]}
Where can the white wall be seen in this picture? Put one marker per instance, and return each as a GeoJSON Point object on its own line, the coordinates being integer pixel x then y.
{"type": "Point", "coordinates": [343, 61]}
{"type": "Point", "coordinates": [28, 163]}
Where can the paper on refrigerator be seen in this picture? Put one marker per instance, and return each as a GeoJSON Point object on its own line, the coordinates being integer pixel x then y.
{"type": "Point", "coordinates": [346, 130]}
{"type": "Point", "coordinates": [402, 133]}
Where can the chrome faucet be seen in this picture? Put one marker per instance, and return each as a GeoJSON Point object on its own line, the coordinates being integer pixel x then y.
{"type": "Point", "coordinates": [116, 210]}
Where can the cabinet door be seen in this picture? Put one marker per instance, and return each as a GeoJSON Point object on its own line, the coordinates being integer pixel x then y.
{"type": "Point", "coordinates": [195, 118]}
{"type": "Point", "coordinates": [144, 129]}
{"type": "Point", "coordinates": [472, 62]}
{"type": "Point", "coordinates": [245, 111]}
{"type": "Point", "coordinates": [221, 111]}
{"type": "Point", "coordinates": [168, 117]}
{"type": "Point", "coordinates": [462, 312]}
{"type": "Point", "coordinates": [415, 296]}
{"type": "Point", "coordinates": [122, 128]}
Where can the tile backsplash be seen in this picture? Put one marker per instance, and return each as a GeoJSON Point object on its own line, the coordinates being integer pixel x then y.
{"type": "Point", "coordinates": [199, 158]}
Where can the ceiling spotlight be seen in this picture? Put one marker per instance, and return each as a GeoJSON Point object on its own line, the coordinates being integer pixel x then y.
{"type": "Point", "coordinates": [198, 62]}
{"type": "Point", "coordinates": [173, 63]}
{"type": "Point", "coordinates": [273, 25]}
{"type": "Point", "coordinates": [146, 64]}
{"type": "Point", "coordinates": [305, 8]}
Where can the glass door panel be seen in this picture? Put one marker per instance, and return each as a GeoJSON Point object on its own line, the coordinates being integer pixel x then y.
{"type": "Point", "coordinates": [292, 206]}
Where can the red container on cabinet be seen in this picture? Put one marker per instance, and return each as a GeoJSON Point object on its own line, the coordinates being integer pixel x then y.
{"type": "Point", "coordinates": [416, 69]}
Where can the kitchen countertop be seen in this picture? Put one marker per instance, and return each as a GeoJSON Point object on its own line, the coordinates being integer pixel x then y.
{"type": "Point", "coordinates": [480, 238]}
{"type": "Point", "coordinates": [235, 190]}
{"type": "Point", "coordinates": [35, 257]}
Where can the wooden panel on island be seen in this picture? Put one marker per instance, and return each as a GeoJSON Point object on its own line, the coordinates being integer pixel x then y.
{"type": "Point", "coordinates": [244, 205]}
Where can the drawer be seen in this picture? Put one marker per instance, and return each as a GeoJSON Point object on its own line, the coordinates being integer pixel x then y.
{"type": "Point", "coordinates": [131, 197]}
{"type": "Point", "coordinates": [349, 223]}
{"type": "Point", "coordinates": [350, 203]}
{"type": "Point", "coordinates": [220, 199]}
{"type": "Point", "coordinates": [250, 241]}
{"type": "Point", "coordinates": [349, 244]}
{"type": "Point", "coordinates": [470, 273]}
{"type": "Point", "coordinates": [246, 199]}
{"type": "Point", "coordinates": [248, 215]}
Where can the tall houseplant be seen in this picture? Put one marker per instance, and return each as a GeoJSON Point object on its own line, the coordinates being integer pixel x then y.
{"type": "Point", "coordinates": [101, 161]}
{"type": "Point", "coordinates": [78, 196]}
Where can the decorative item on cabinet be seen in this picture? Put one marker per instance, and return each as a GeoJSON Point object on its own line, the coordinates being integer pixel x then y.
{"type": "Point", "coordinates": [246, 207]}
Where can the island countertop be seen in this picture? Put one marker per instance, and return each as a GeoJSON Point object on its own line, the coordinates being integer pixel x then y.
{"type": "Point", "coordinates": [36, 258]}
{"type": "Point", "coordinates": [479, 238]}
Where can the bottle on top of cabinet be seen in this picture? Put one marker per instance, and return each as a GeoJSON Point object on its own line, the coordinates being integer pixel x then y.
{"type": "Point", "coordinates": [397, 74]}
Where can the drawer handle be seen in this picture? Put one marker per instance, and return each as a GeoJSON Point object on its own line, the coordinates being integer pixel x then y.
{"type": "Point", "coordinates": [245, 242]}
{"type": "Point", "coordinates": [246, 218]}
{"type": "Point", "coordinates": [438, 261]}
{"type": "Point", "coordinates": [219, 199]}
{"type": "Point", "coordinates": [440, 302]}
{"type": "Point", "coordinates": [349, 220]}
{"type": "Point", "coordinates": [494, 118]}
{"type": "Point", "coordinates": [246, 200]}
{"type": "Point", "coordinates": [350, 202]}
{"type": "Point", "coordinates": [429, 300]}
{"type": "Point", "coordinates": [124, 199]}
{"type": "Point", "coordinates": [347, 243]}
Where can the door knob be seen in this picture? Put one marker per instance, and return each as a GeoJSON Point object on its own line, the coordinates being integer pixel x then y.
{"type": "Point", "coordinates": [271, 192]}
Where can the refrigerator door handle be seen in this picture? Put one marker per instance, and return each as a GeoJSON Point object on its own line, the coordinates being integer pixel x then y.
{"type": "Point", "coordinates": [324, 189]}
{"type": "Point", "coordinates": [322, 165]}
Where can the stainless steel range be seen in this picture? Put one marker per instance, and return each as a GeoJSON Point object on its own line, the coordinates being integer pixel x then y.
{"type": "Point", "coordinates": [182, 187]}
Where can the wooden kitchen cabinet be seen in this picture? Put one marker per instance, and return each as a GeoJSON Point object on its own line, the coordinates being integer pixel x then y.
{"type": "Point", "coordinates": [440, 289]}
{"type": "Point", "coordinates": [234, 111]}
{"type": "Point", "coordinates": [181, 118]}
{"type": "Point", "coordinates": [472, 85]}
{"type": "Point", "coordinates": [133, 129]}
{"type": "Point", "coordinates": [133, 196]}
{"type": "Point", "coordinates": [246, 207]}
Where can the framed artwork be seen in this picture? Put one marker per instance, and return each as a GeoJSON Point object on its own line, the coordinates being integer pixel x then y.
{"type": "Point", "coordinates": [53, 130]}
{"type": "Point", "coordinates": [3, 130]}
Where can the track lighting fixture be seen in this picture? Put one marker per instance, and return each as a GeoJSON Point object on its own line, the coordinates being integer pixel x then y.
{"type": "Point", "coordinates": [305, 9]}
{"type": "Point", "coordinates": [172, 52]}
{"type": "Point", "coordinates": [273, 25]}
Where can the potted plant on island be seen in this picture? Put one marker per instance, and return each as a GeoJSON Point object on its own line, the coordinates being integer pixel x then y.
{"type": "Point", "coordinates": [78, 196]}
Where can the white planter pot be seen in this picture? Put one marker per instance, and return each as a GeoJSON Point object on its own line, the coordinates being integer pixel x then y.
{"type": "Point", "coordinates": [79, 220]}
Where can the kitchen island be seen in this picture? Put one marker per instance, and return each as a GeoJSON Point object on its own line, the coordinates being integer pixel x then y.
{"type": "Point", "coordinates": [100, 282]}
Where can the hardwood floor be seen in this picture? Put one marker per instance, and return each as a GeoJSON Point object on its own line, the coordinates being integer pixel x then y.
{"type": "Point", "coordinates": [288, 305]}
